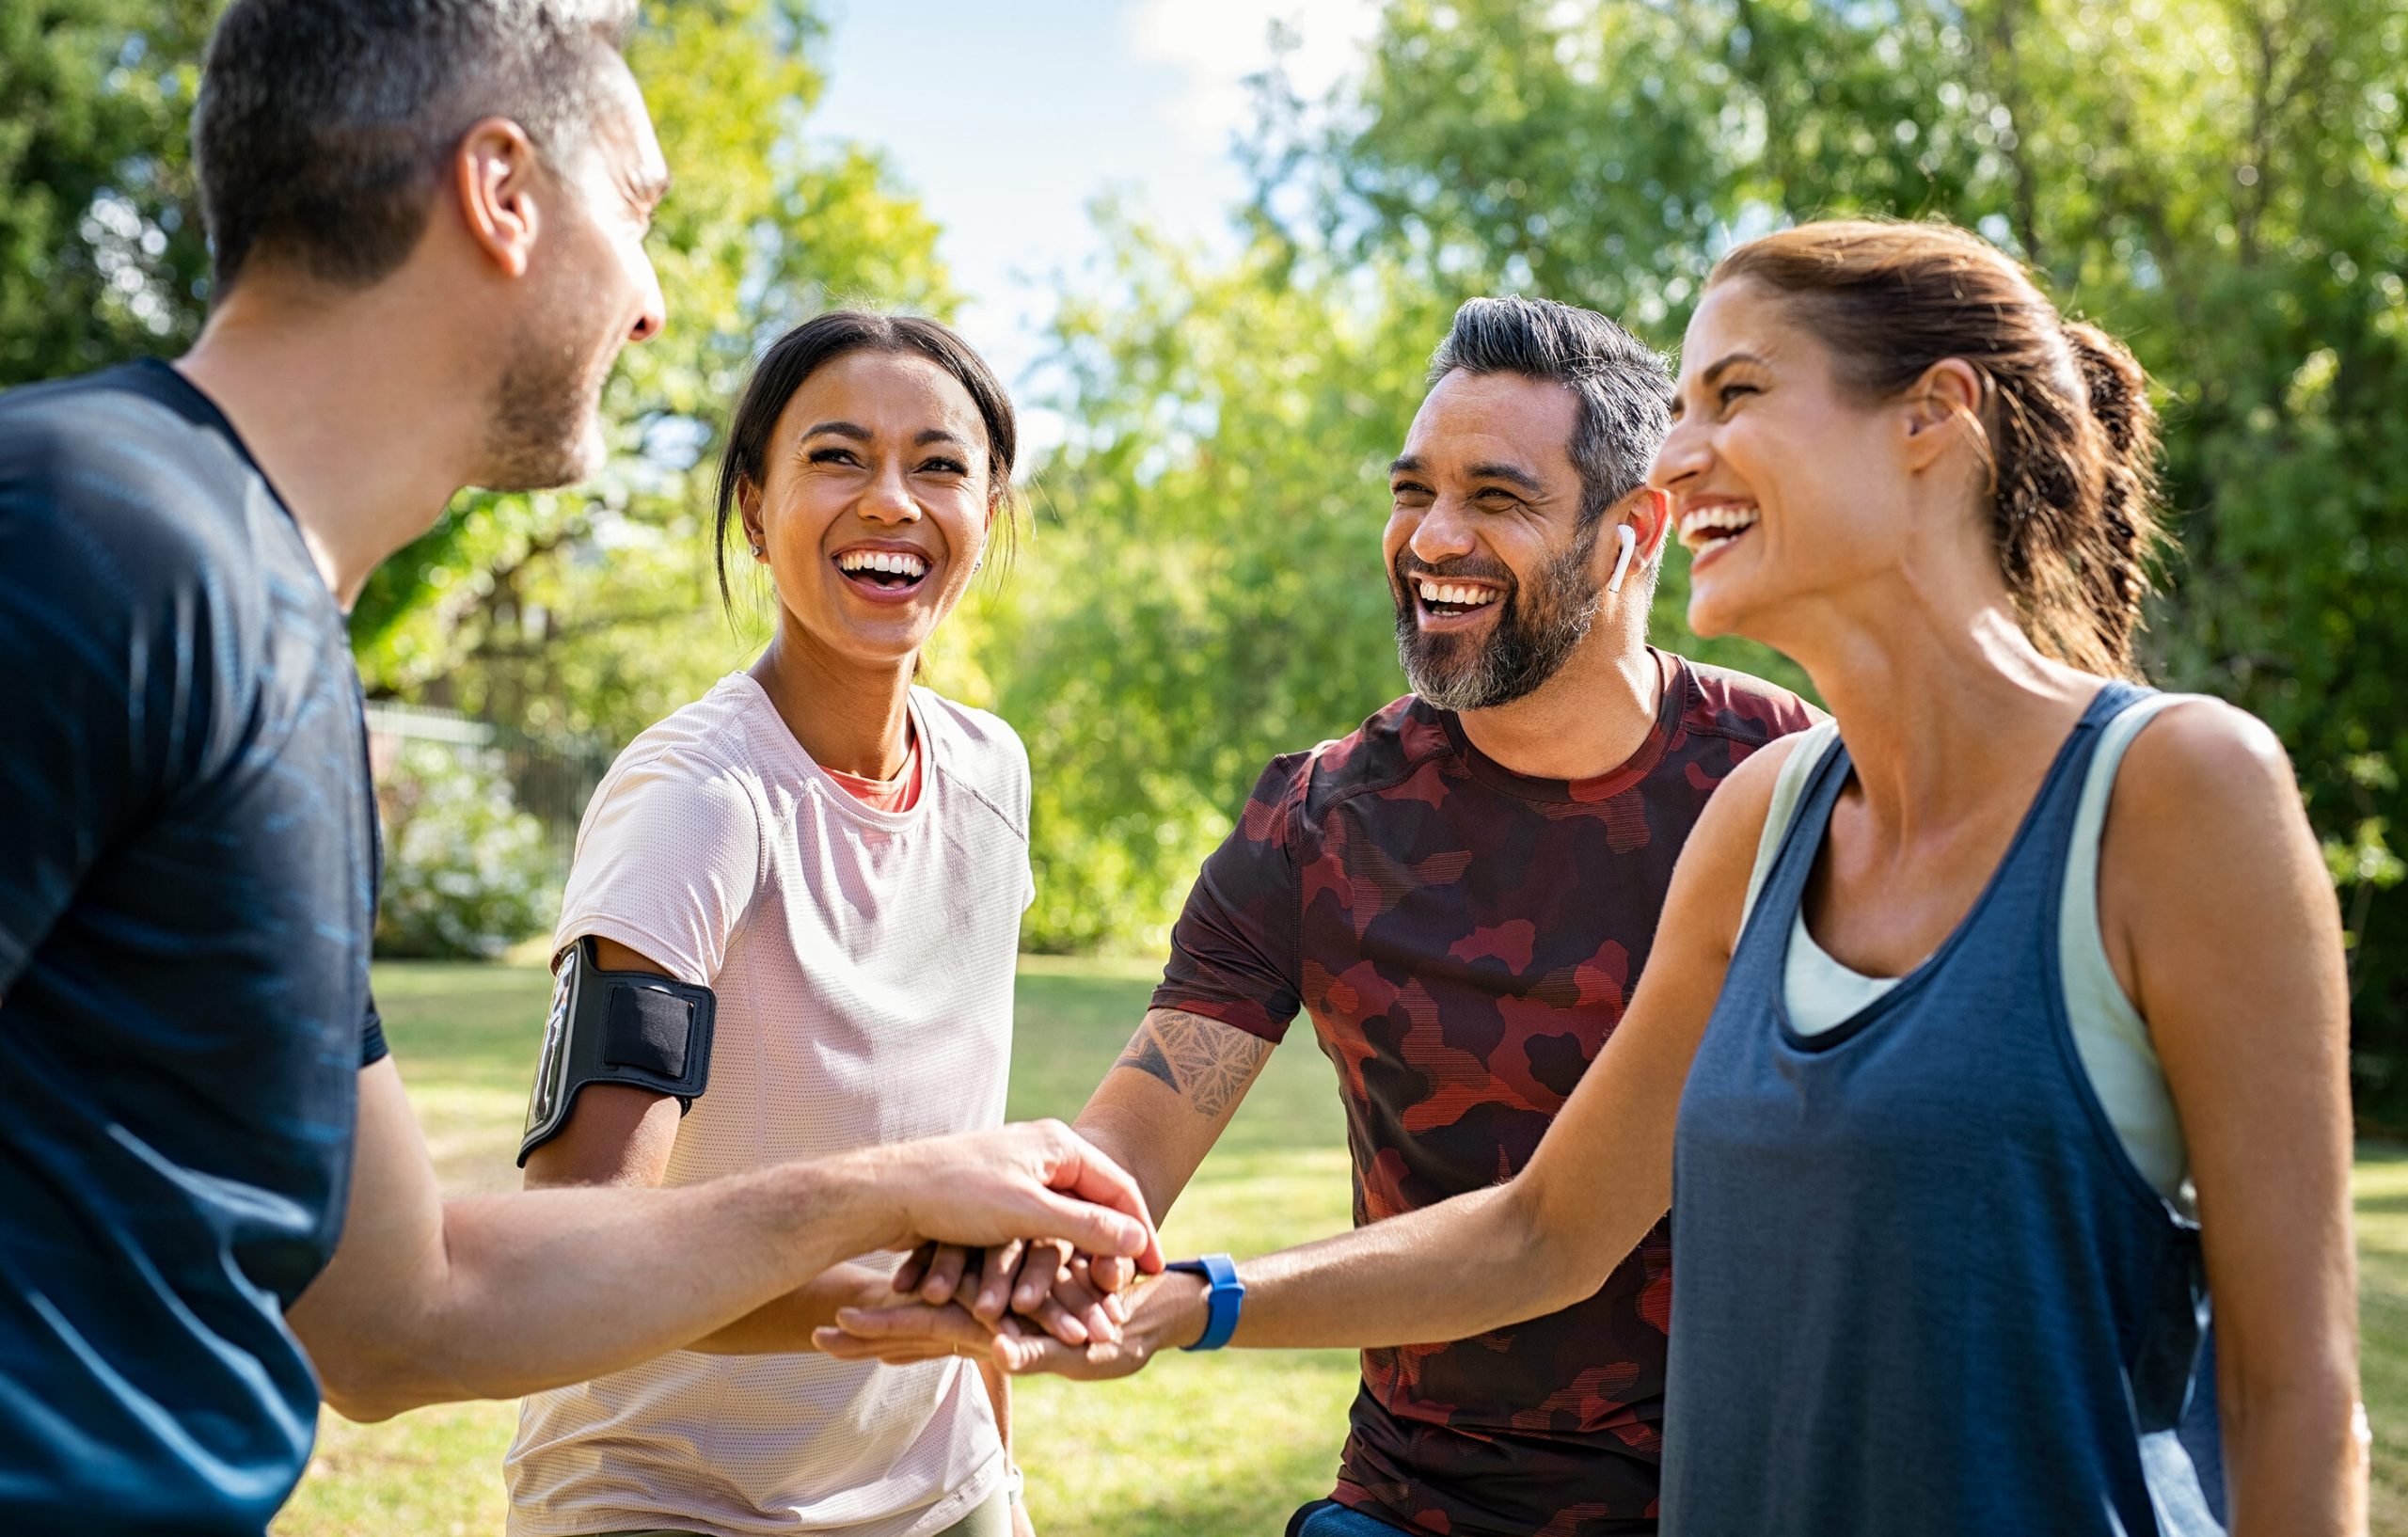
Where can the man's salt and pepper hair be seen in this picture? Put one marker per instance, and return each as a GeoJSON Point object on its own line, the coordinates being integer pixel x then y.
{"type": "Point", "coordinates": [321, 126]}
{"type": "Point", "coordinates": [1624, 387]}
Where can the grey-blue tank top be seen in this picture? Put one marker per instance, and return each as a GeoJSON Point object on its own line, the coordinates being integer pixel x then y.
{"type": "Point", "coordinates": [1918, 1287]}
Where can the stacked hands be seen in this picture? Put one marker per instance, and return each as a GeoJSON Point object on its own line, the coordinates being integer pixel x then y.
{"type": "Point", "coordinates": [1046, 1305]}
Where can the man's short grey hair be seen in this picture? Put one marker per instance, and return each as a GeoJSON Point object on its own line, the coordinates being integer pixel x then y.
{"type": "Point", "coordinates": [1624, 387]}
{"type": "Point", "coordinates": [323, 125]}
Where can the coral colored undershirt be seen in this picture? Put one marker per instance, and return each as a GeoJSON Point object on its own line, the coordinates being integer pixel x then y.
{"type": "Point", "coordinates": [901, 793]}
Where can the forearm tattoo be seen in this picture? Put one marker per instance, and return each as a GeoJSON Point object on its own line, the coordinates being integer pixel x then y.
{"type": "Point", "coordinates": [1205, 1062]}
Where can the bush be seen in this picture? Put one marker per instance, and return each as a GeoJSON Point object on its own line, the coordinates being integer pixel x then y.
{"type": "Point", "coordinates": [466, 872]}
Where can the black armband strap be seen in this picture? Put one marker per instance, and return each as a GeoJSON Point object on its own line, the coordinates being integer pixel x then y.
{"type": "Point", "coordinates": [617, 1027]}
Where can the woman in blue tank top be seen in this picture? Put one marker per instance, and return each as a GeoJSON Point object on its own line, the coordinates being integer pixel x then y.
{"type": "Point", "coordinates": [1921, 1284]}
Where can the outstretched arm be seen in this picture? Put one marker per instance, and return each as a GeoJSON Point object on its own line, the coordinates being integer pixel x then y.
{"type": "Point", "coordinates": [494, 1296]}
{"type": "Point", "coordinates": [1534, 1244]}
{"type": "Point", "coordinates": [1159, 1110]}
{"type": "Point", "coordinates": [1540, 1241]}
{"type": "Point", "coordinates": [619, 1135]}
{"type": "Point", "coordinates": [1170, 1096]}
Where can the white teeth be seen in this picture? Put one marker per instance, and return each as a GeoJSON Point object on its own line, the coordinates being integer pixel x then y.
{"type": "Point", "coordinates": [895, 562]}
{"type": "Point", "coordinates": [1447, 591]}
{"type": "Point", "coordinates": [1707, 527]}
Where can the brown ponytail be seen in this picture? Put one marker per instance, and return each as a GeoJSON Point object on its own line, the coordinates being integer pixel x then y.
{"type": "Point", "coordinates": [2117, 386]}
{"type": "Point", "coordinates": [2068, 431]}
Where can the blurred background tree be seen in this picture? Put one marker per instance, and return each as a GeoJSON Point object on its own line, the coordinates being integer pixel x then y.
{"type": "Point", "coordinates": [568, 620]}
{"type": "Point", "coordinates": [101, 250]}
{"type": "Point", "coordinates": [2224, 185]}
{"type": "Point", "coordinates": [2221, 181]}
{"type": "Point", "coordinates": [584, 615]}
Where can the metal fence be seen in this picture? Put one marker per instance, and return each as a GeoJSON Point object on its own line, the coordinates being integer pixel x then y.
{"type": "Point", "coordinates": [550, 780]}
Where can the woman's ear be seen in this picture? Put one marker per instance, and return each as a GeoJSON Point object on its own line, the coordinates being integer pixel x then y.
{"type": "Point", "coordinates": [747, 508]}
{"type": "Point", "coordinates": [1942, 405]}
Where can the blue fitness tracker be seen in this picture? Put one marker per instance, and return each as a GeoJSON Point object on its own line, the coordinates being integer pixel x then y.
{"type": "Point", "coordinates": [1226, 1296]}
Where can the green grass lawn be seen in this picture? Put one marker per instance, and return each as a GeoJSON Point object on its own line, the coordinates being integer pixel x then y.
{"type": "Point", "coordinates": [1198, 1447]}
{"type": "Point", "coordinates": [1193, 1447]}
{"type": "Point", "coordinates": [2381, 1186]}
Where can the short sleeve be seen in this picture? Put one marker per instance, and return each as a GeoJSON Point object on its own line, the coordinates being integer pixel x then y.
{"type": "Point", "coordinates": [667, 863]}
{"type": "Point", "coordinates": [88, 664]}
{"type": "Point", "coordinates": [1027, 810]}
{"type": "Point", "coordinates": [1233, 951]}
{"type": "Point", "coordinates": [372, 1049]}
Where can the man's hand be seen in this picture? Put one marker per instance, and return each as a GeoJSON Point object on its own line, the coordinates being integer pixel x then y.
{"type": "Point", "coordinates": [427, 1301]}
{"type": "Point", "coordinates": [1164, 1313]}
{"type": "Point", "coordinates": [983, 1188]}
{"type": "Point", "coordinates": [1072, 1295]}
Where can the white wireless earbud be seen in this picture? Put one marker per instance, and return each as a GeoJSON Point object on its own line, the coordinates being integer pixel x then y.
{"type": "Point", "coordinates": [1629, 546]}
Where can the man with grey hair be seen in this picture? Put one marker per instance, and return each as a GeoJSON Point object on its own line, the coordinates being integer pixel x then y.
{"type": "Point", "coordinates": [1461, 894]}
{"type": "Point", "coordinates": [428, 219]}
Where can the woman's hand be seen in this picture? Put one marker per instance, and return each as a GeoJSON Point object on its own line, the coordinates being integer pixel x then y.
{"type": "Point", "coordinates": [1481, 1260]}
{"type": "Point", "coordinates": [1166, 1312]}
{"type": "Point", "coordinates": [1072, 1296]}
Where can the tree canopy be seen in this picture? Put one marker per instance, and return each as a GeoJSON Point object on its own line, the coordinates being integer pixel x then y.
{"type": "Point", "coordinates": [2222, 183]}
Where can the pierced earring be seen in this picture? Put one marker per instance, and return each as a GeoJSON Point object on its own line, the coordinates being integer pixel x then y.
{"type": "Point", "coordinates": [1621, 566]}
{"type": "Point", "coordinates": [756, 552]}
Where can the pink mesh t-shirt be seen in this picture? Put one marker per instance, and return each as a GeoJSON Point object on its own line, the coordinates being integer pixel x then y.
{"type": "Point", "coordinates": [863, 960]}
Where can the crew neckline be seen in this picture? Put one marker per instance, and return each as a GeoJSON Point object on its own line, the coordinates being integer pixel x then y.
{"type": "Point", "coordinates": [212, 415]}
{"type": "Point", "coordinates": [900, 792]}
{"type": "Point", "coordinates": [1675, 685]}
{"type": "Point", "coordinates": [824, 778]}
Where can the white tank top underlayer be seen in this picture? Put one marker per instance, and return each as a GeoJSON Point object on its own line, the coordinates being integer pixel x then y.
{"type": "Point", "coordinates": [863, 962]}
{"type": "Point", "coordinates": [2109, 1035]}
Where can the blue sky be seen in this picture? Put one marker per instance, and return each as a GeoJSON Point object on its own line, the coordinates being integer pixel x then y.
{"type": "Point", "coordinates": [1007, 117]}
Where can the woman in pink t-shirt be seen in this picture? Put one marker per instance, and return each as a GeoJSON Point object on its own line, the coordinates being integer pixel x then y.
{"type": "Point", "coordinates": [843, 858]}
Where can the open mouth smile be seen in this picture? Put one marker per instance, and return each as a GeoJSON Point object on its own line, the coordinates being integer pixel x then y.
{"type": "Point", "coordinates": [883, 575]}
{"type": "Point", "coordinates": [1709, 530]}
{"type": "Point", "coordinates": [1442, 601]}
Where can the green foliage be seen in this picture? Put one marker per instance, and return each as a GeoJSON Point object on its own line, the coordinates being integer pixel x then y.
{"type": "Point", "coordinates": [1207, 588]}
{"type": "Point", "coordinates": [1204, 590]}
{"type": "Point", "coordinates": [466, 873]}
{"type": "Point", "coordinates": [589, 613]}
{"type": "Point", "coordinates": [2222, 184]}
{"type": "Point", "coordinates": [100, 249]}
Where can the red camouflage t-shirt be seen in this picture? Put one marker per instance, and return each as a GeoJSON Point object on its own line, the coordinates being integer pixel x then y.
{"type": "Point", "coordinates": [1464, 938]}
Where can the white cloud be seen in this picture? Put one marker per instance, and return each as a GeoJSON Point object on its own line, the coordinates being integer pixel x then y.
{"type": "Point", "coordinates": [1217, 43]}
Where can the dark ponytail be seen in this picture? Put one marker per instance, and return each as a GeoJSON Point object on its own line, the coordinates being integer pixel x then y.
{"type": "Point", "coordinates": [2066, 422]}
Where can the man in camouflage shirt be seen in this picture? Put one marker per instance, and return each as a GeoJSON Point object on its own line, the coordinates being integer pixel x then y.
{"type": "Point", "coordinates": [1461, 894]}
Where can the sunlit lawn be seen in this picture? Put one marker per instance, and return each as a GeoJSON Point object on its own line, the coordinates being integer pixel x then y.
{"type": "Point", "coordinates": [2383, 1314]}
{"type": "Point", "coordinates": [1195, 1448]}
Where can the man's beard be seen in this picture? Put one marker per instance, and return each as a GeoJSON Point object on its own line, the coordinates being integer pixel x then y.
{"type": "Point", "coordinates": [544, 430]}
{"type": "Point", "coordinates": [1536, 632]}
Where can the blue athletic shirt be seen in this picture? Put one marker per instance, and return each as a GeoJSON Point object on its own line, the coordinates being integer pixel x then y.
{"type": "Point", "coordinates": [188, 865]}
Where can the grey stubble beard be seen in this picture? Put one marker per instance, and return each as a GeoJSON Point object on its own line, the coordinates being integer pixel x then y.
{"type": "Point", "coordinates": [1527, 645]}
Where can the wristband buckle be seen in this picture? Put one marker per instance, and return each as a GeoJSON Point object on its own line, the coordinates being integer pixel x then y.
{"type": "Point", "coordinates": [1222, 1300]}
